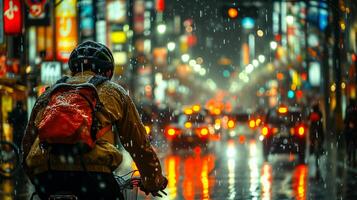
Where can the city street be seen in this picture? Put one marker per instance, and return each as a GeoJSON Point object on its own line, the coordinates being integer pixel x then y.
{"type": "Point", "coordinates": [231, 170]}
{"type": "Point", "coordinates": [232, 100]}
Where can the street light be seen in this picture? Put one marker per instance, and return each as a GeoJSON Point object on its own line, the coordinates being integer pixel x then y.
{"type": "Point", "coordinates": [255, 62]}
{"type": "Point", "coordinates": [185, 57]}
{"type": "Point", "coordinates": [290, 20]}
{"type": "Point", "coordinates": [171, 46]}
{"type": "Point", "coordinates": [161, 28]}
{"type": "Point", "coordinates": [273, 45]}
{"type": "Point", "coordinates": [260, 33]}
{"type": "Point", "coordinates": [261, 58]}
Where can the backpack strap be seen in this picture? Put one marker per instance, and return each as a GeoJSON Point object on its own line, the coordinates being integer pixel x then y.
{"type": "Point", "coordinates": [97, 80]}
{"type": "Point", "coordinates": [62, 80]}
{"type": "Point", "coordinates": [95, 131]}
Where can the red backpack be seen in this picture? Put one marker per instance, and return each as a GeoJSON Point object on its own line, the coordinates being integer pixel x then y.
{"type": "Point", "coordinates": [69, 116]}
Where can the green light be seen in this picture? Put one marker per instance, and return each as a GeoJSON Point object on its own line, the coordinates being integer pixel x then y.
{"type": "Point", "coordinates": [291, 94]}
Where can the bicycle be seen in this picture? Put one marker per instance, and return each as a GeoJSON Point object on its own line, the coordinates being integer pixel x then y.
{"type": "Point", "coordinates": [128, 187]}
{"type": "Point", "coordinates": [9, 159]}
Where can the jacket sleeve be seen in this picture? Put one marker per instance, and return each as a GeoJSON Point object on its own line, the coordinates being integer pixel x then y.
{"type": "Point", "coordinates": [133, 136]}
{"type": "Point", "coordinates": [30, 131]}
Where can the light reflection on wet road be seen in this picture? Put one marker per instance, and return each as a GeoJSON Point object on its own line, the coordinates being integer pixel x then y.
{"type": "Point", "coordinates": [232, 169]}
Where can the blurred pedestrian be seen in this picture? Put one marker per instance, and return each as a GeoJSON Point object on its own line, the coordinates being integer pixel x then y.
{"type": "Point", "coordinates": [18, 119]}
{"type": "Point", "coordinates": [350, 131]}
{"type": "Point", "coordinates": [316, 135]}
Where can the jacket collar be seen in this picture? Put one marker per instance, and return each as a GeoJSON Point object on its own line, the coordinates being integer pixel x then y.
{"type": "Point", "coordinates": [85, 73]}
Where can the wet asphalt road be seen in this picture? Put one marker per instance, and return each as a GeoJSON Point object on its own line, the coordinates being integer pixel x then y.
{"type": "Point", "coordinates": [232, 169]}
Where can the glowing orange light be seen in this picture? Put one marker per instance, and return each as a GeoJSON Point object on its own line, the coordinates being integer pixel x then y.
{"type": "Point", "coordinates": [280, 76]}
{"type": "Point", "coordinates": [283, 110]}
{"type": "Point", "coordinates": [252, 123]}
{"type": "Point", "coordinates": [188, 111]}
{"type": "Point", "coordinates": [301, 130]}
{"type": "Point", "coordinates": [230, 124]}
{"type": "Point", "coordinates": [148, 130]}
{"type": "Point", "coordinates": [354, 57]}
{"type": "Point", "coordinates": [258, 121]}
{"type": "Point", "coordinates": [233, 13]}
{"type": "Point", "coordinates": [241, 139]}
{"type": "Point", "coordinates": [217, 121]}
{"type": "Point", "coordinates": [171, 132]}
{"type": "Point", "coordinates": [217, 111]}
{"type": "Point", "coordinates": [188, 125]}
{"type": "Point", "coordinates": [196, 108]}
{"type": "Point", "coordinates": [204, 131]}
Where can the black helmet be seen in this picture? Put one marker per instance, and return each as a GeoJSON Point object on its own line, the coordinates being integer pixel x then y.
{"type": "Point", "coordinates": [92, 56]}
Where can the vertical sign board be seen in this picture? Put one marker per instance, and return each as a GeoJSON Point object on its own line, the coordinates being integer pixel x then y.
{"type": "Point", "coordinates": [101, 24]}
{"type": "Point", "coordinates": [66, 29]}
{"type": "Point", "coordinates": [38, 12]}
{"type": "Point", "coordinates": [50, 72]}
{"type": "Point", "coordinates": [12, 12]}
{"type": "Point", "coordinates": [139, 9]}
{"type": "Point", "coordinates": [1, 22]}
{"type": "Point", "coordinates": [86, 19]}
{"type": "Point", "coordinates": [116, 11]}
{"type": "Point", "coordinates": [49, 43]}
{"type": "Point", "coordinates": [160, 5]}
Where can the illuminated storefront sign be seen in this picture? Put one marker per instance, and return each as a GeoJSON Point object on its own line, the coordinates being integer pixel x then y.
{"type": "Point", "coordinates": [12, 16]}
{"type": "Point", "coordinates": [139, 9]}
{"type": "Point", "coordinates": [101, 24]}
{"type": "Point", "coordinates": [49, 43]}
{"type": "Point", "coordinates": [41, 39]}
{"type": "Point", "coordinates": [66, 29]}
{"type": "Point", "coordinates": [86, 19]}
{"type": "Point", "coordinates": [160, 5]}
{"type": "Point", "coordinates": [37, 12]}
{"type": "Point", "coordinates": [116, 11]}
{"type": "Point", "coordinates": [160, 56]}
{"type": "Point", "coordinates": [50, 72]}
{"type": "Point", "coordinates": [118, 37]}
{"type": "Point", "coordinates": [120, 58]}
{"type": "Point", "coordinates": [315, 74]}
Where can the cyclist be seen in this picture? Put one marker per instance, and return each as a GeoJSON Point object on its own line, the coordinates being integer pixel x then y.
{"type": "Point", "coordinates": [316, 135]}
{"type": "Point", "coordinates": [91, 176]}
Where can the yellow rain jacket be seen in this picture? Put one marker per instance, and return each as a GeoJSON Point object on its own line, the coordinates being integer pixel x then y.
{"type": "Point", "coordinates": [120, 110]}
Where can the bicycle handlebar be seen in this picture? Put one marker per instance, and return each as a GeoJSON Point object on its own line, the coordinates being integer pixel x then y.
{"type": "Point", "coordinates": [136, 182]}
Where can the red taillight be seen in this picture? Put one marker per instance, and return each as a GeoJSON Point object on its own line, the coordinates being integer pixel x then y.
{"type": "Point", "coordinates": [231, 123]}
{"type": "Point", "coordinates": [171, 132]}
{"type": "Point", "coordinates": [202, 132]}
{"type": "Point", "coordinates": [265, 131]}
{"type": "Point", "coordinates": [252, 123]}
{"type": "Point", "coordinates": [301, 130]}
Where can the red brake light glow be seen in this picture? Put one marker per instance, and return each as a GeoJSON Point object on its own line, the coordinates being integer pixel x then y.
{"type": "Point", "coordinates": [301, 130]}
{"type": "Point", "coordinates": [283, 109]}
{"type": "Point", "coordinates": [265, 131]}
{"type": "Point", "coordinates": [204, 131]}
{"type": "Point", "coordinates": [252, 123]}
{"type": "Point", "coordinates": [171, 132]}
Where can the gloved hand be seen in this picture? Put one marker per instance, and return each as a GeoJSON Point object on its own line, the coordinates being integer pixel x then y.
{"type": "Point", "coordinates": [156, 193]}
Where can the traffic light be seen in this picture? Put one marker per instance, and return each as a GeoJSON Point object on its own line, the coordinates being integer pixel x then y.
{"type": "Point", "coordinates": [230, 11]}
{"type": "Point", "coordinates": [234, 11]}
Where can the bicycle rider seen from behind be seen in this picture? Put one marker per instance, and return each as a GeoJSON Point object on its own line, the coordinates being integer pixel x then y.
{"type": "Point", "coordinates": [89, 174]}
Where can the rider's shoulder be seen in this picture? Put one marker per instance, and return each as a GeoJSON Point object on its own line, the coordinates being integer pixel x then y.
{"type": "Point", "coordinates": [111, 85]}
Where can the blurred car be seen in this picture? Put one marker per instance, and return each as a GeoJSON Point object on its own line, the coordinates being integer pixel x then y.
{"type": "Point", "coordinates": [284, 131]}
{"type": "Point", "coordinates": [188, 129]}
{"type": "Point", "coordinates": [242, 125]}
